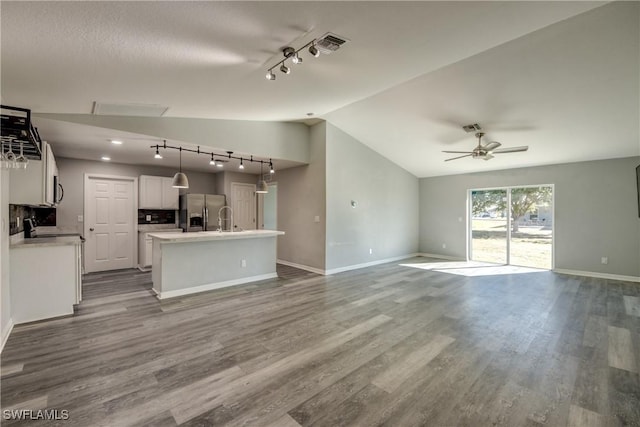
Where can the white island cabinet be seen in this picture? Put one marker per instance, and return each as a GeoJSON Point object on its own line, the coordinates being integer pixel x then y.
{"type": "Point", "coordinates": [188, 263]}
{"type": "Point", "coordinates": [45, 277]}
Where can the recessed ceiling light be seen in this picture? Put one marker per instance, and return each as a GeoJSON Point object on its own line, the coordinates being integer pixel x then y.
{"type": "Point", "coordinates": [116, 142]}
{"type": "Point", "coordinates": [106, 158]}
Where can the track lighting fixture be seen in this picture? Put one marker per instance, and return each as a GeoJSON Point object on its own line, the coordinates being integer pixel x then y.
{"type": "Point", "coordinates": [180, 179]}
{"type": "Point", "coordinates": [293, 54]}
{"type": "Point", "coordinates": [313, 50]}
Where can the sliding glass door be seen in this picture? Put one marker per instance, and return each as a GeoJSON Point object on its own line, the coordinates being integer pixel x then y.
{"type": "Point", "coordinates": [512, 225]}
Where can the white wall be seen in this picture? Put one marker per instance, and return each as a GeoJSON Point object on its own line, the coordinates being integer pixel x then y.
{"type": "Point", "coordinates": [5, 288]}
{"type": "Point", "coordinates": [596, 212]}
{"type": "Point", "coordinates": [72, 179]}
{"type": "Point", "coordinates": [301, 197]}
{"type": "Point", "coordinates": [385, 219]}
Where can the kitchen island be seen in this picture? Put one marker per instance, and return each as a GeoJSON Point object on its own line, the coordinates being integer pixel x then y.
{"type": "Point", "coordinates": [187, 263]}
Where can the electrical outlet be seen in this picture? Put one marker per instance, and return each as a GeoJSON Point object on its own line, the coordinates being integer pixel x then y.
{"type": "Point", "coordinates": [316, 218]}
{"type": "Point", "coordinates": [80, 218]}
{"type": "Point", "coordinates": [370, 251]}
{"type": "Point", "coordinates": [604, 260]}
{"type": "Point", "coordinates": [444, 246]}
{"type": "Point", "coordinates": [243, 263]}
{"type": "Point", "coordinates": [17, 221]}
{"type": "Point", "coordinates": [459, 219]}
{"type": "Point", "coordinates": [148, 218]}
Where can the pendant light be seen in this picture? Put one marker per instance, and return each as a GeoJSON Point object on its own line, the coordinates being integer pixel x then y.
{"type": "Point", "coordinates": [262, 188]}
{"type": "Point", "coordinates": [179, 179]}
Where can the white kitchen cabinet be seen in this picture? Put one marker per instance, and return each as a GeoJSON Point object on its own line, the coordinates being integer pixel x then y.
{"type": "Point", "coordinates": [51, 289]}
{"type": "Point", "coordinates": [35, 185]}
{"type": "Point", "coordinates": [156, 192]}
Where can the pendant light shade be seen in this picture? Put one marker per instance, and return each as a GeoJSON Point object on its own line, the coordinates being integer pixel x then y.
{"type": "Point", "coordinates": [179, 179]}
{"type": "Point", "coordinates": [262, 187]}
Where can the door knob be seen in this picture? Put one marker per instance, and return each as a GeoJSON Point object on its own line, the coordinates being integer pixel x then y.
{"type": "Point", "coordinates": [91, 229]}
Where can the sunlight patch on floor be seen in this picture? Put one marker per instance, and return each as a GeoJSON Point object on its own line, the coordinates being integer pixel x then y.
{"type": "Point", "coordinates": [473, 268]}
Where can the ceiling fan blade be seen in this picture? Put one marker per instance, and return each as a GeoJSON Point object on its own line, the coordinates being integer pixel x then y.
{"type": "Point", "coordinates": [459, 157]}
{"type": "Point", "coordinates": [490, 146]}
{"type": "Point", "coordinates": [487, 157]}
{"type": "Point", "coordinates": [458, 152]}
{"type": "Point", "coordinates": [511, 149]}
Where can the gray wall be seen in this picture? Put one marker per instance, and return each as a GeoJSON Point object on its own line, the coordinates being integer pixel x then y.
{"type": "Point", "coordinates": [385, 218]}
{"type": "Point", "coordinates": [301, 197]}
{"type": "Point", "coordinates": [596, 212]}
{"type": "Point", "coordinates": [72, 172]}
{"type": "Point", "coordinates": [5, 288]}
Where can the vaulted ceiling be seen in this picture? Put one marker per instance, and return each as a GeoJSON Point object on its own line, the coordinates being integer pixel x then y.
{"type": "Point", "coordinates": [561, 77]}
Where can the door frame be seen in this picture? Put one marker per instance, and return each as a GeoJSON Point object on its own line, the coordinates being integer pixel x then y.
{"type": "Point", "coordinates": [134, 211]}
{"type": "Point", "coordinates": [508, 190]}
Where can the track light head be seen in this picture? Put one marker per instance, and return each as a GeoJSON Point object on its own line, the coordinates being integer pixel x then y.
{"type": "Point", "coordinates": [271, 170]}
{"type": "Point", "coordinates": [270, 75]}
{"type": "Point", "coordinates": [212, 162]}
{"type": "Point", "coordinates": [313, 50]}
{"type": "Point", "coordinates": [285, 69]}
{"type": "Point", "coordinates": [157, 155]}
{"type": "Point", "coordinates": [241, 165]}
{"type": "Point", "coordinates": [296, 59]}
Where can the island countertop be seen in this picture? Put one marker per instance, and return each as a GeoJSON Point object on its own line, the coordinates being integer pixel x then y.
{"type": "Point", "coordinates": [213, 235]}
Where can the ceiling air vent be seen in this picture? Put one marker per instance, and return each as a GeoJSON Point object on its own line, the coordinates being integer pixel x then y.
{"type": "Point", "coordinates": [329, 43]}
{"type": "Point", "coordinates": [140, 110]}
{"type": "Point", "coordinates": [474, 127]}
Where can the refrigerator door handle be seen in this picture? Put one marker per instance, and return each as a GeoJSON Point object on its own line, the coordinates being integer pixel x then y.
{"type": "Point", "coordinates": [206, 219]}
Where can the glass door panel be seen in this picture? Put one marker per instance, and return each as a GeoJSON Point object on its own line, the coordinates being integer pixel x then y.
{"type": "Point", "coordinates": [489, 226]}
{"type": "Point", "coordinates": [531, 226]}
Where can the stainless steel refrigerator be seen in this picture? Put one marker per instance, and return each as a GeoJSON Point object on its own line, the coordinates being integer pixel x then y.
{"type": "Point", "coordinates": [199, 212]}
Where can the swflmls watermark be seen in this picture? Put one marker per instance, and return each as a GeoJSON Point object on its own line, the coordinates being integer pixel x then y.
{"type": "Point", "coordinates": [36, 414]}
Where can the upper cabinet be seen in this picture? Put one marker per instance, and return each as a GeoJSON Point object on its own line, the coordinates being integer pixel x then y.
{"type": "Point", "coordinates": [156, 192]}
{"type": "Point", "coordinates": [37, 185]}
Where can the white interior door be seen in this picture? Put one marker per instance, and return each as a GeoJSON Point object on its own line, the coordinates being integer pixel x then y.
{"type": "Point", "coordinates": [109, 223]}
{"type": "Point", "coordinates": [243, 199]}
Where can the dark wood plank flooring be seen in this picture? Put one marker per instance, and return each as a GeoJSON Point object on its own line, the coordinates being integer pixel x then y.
{"type": "Point", "coordinates": [387, 345]}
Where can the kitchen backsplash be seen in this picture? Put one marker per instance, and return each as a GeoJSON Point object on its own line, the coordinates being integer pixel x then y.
{"type": "Point", "coordinates": [41, 216]}
{"type": "Point", "coordinates": [152, 216]}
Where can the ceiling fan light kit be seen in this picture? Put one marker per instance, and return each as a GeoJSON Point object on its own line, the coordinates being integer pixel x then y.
{"type": "Point", "coordinates": [484, 152]}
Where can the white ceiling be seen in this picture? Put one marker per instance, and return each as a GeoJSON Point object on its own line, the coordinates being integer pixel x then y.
{"type": "Point", "coordinates": [411, 73]}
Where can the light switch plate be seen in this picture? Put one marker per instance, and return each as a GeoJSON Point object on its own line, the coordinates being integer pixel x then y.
{"type": "Point", "coordinates": [80, 218]}
{"type": "Point", "coordinates": [316, 218]}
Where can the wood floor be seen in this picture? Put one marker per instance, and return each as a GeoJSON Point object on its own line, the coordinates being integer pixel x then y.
{"type": "Point", "coordinates": [386, 345]}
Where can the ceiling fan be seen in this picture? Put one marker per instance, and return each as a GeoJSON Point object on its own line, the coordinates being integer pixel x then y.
{"type": "Point", "coordinates": [486, 152]}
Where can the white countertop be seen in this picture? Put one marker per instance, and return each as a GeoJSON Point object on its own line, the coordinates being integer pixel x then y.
{"type": "Point", "coordinates": [213, 235]}
{"type": "Point", "coordinates": [46, 241]}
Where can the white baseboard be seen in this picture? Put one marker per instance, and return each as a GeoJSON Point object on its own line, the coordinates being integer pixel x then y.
{"type": "Point", "coordinates": [438, 256]}
{"type": "Point", "coordinates": [368, 264]}
{"type": "Point", "coordinates": [598, 275]}
{"type": "Point", "coordinates": [212, 286]}
{"type": "Point", "coordinates": [5, 334]}
{"type": "Point", "coordinates": [301, 266]}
